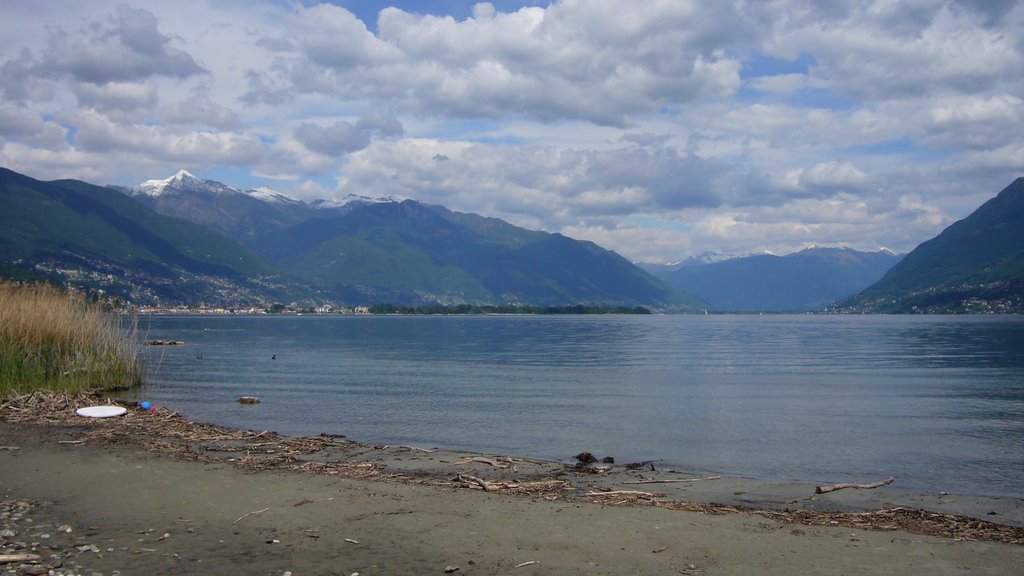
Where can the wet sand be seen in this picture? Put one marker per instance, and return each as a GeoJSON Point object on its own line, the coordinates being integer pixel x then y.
{"type": "Point", "coordinates": [135, 504]}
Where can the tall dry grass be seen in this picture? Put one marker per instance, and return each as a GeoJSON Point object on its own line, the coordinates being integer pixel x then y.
{"type": "Point", "coordinates": [57, 340]}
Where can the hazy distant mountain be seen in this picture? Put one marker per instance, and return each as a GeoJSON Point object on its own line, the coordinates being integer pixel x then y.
{"type": "Point", "coordinates": [707, 257]}
{"type": "Point", "coordinates": [974, 265]}
{"type": "Point", "coordinates": [408, 252]}
{"type": "Point", "coordinates": [71, 232]}
{"type": "Point", "coordinates": [803, 281]}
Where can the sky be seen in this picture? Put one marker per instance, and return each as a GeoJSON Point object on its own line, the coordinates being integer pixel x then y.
{"type": "Point", "coordinates": [658, 129]}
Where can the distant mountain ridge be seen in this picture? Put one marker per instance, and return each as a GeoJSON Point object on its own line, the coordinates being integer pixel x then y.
{"type": "Point", "coordinates": [186, 240]}
{"type": "Point", "coordinates": [803, 281]}
{"type": "Point", "coordinates": [974, 265]}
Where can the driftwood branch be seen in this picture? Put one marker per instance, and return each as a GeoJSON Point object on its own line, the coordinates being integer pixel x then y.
{"type": "Point", "coordinates": [840, 486]}
{"type": "Point", "coordinates": [12, 558]}
{"type": "Point", "coordinates": [674, 481]}
{"type": "Point", "coordinates": [482, 483]}
{"type": "Point", "coordinates": [410, 448]}
{"type": "Point", "coordinates": [624, 493]}
{"type": "Point", "coordinates": [482, 460]}
{"type": "Point", "coordinates": [246, 515]}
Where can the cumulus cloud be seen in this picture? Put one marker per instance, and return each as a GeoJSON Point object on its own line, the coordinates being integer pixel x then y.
{"type": "Point", "coordinates": [343, 136]}
{"type": "Point", "coordinates": [24, 127]}
{"type": "Point", "coordinates": [128, 48]}
{"type": "Point", "coordinates": [124, 97]}
{"type": "Point", "coordinates": [533, 184]}
{"type": "Point", "coordinates": [577, 60]}
{"type": "Point", "coordinates": [933, 49]}
{"type": "Point", "coordinates": [98, 134]}
{"type": "Point", "coordinates": [199, 109]}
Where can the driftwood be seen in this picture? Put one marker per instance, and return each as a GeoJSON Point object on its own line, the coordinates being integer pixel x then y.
{"type": "Point", "coordinates": [410, 448]}
{"type": "Point", "coordinates": [625, 493]}
{"type": "Point", "coordinates": [246, 515]}
{"type": "Point", "coordinates": [840, 486]}
{"type": "Point", "coordinates": [529, 563]}
{"type": "Point", "coordinates": [12, 558]}
{"type": "Point", "coordinates": [483, 460]}
{"type": "Point", "coordinates": [168, 433]}
{"type": "Point", "coordinates": [674, 481]}
{"type": "Point", "coordinates": [479, 481]}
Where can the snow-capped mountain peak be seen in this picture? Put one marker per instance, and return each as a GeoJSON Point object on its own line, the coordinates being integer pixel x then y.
{"type": "Point", "coordinates": [182, 181]}
{"type": "Point", "coordinates": [349, 202]}
{"type": "Point", "coordinates": [268, 194]}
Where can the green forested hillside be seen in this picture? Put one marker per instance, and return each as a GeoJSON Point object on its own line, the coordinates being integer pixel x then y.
{"type": "Point", "coordinates": [94, 237]}
{"type": "Point", "coordinates": [412, 253]}
{"type": "Point", "coordinates": [974, 265]}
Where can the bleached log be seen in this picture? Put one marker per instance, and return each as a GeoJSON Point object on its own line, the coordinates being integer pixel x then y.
{"type": "Point", "coordinates": [624, 493]}
{"type": "Point", "coordinates": [482, 483]}
{"type": "Point", "coordinates": [674, 481]}
{"type": "Point", "coordinates": [13, 558]}
{"type": "Point", "coordinates": [842, 485]}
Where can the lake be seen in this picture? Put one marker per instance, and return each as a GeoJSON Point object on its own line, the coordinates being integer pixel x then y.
{"type": "Point", "coordinates": [937, 401]}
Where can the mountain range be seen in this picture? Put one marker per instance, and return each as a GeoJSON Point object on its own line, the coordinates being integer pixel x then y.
{"type": "Point", "coordinates": [974, 265]}
{"type": "Point", "coordinates": [804, 281]}
{"type": "Point", "coordinates": [188, 240]}
{"type": "Point", "coordinates": [185, 240]}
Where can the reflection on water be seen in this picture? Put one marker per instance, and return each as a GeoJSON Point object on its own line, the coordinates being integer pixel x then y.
{"type": "Point", "coordinates": [936, 401]}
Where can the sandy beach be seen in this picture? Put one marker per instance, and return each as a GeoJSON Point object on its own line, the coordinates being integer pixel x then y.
{"type": "Point", "coordinates": [151, 493]}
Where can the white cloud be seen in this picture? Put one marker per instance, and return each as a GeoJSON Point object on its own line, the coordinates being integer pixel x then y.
{"type": "Point", "coordinates": [127, 48]}
{"type": "Point", "coordinates": [117, 97]}
{"type": "Point", "coordinates": [24, 127]}
{"type": "Point", "coordinates": [98, 134]}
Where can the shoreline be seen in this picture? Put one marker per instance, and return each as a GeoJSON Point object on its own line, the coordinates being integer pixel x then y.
{"type": "Point", "coordinates": [54, 453]}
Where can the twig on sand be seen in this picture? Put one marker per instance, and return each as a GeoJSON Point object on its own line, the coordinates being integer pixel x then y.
{"type": "Point", "coordinates": [624, 493]}
{"type": "Point", "coordinates": [840, 486]}
{"type": "Point", "coordinates": [528, 563]}
{"type": "Point", "coordinates": [412, 448]}
{"type": "Point", "coordinates": [484, 460]}
{"type": "Point", "coordinates": [12, 558]}
{"type": "Point", "coordinates": [247, 514]}
{"type": "Point", "coordinates": [674, 481]}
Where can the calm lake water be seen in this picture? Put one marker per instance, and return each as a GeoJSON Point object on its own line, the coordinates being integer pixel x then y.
{"type": "Point", "coordinates": [937, 401]}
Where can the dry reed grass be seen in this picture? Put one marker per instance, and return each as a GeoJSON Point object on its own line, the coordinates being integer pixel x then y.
{"type": "Point", "coordinates": [57, 340]}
